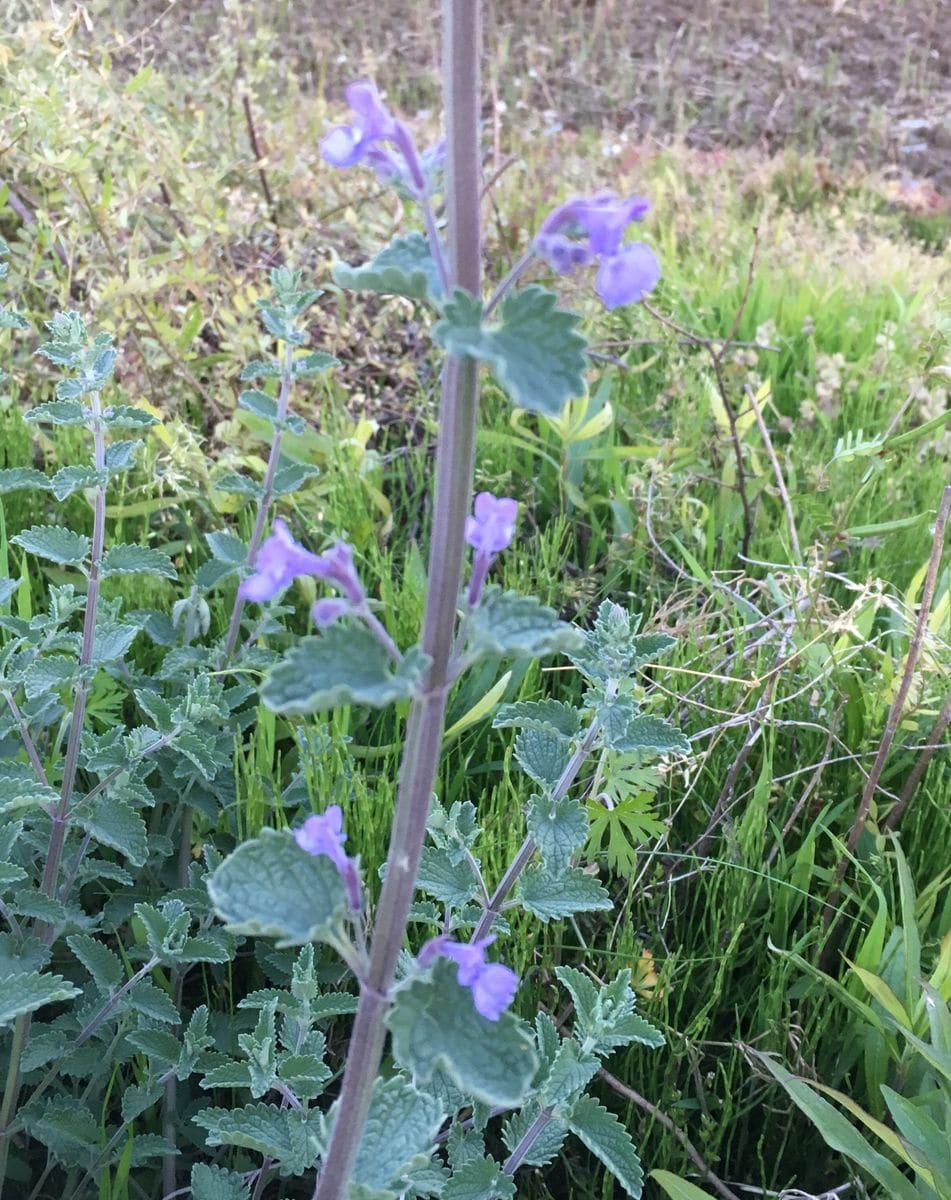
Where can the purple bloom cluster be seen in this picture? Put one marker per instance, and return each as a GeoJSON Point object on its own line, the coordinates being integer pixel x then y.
{"type": "Point", "coordinates": [493, 985]}
{"type": "Point", "coordinates": [280, 560]}
{"type": "Point", "coordinates": [589, 229]}
{"type": "Point", "coordinates": [382, 141]}
{"type": "Point", "coordinates": [323, 834]}
{"type": "Point", "coordinates": [489, 530]}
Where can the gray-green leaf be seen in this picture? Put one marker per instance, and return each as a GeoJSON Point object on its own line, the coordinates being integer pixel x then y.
{"type": "Point", "coordinates": [59, 545]}
{"type": "Point", "coordinates": [123, 559]}
{"type": "Point", "coordinates": [401, 1124]}
{"type": "Point", "coordinates": [534, 348]}
{"type": "Point", "coordinates": [608, 1141]}
{"type": "Point", "coordinates": [403, 268]}
{"type": "Point", "coordinates": [270, 887]}
{"type": "Point", "coordinates": [435, 1026]}
{"type": "Point", "coordinates": [550, 897]}
{"type": "Point", "coordinates": [216, 1183]}
{"type": "Point", "coordinates": [28, 991]}
{"type": "Point", "coordinates": [344, 665]}
{"type": "Point", "coordinates": [507, 625]}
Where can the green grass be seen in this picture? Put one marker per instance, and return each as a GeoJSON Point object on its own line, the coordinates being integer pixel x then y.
{"type": "Point", "coordinates": [646, 512]}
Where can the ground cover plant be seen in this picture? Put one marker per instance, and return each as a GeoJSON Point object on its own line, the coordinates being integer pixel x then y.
{"type": "Point", "coordinates": [755, 465]}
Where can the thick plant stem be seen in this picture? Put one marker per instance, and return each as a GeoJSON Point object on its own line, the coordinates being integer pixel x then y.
{"type": "Point", "coordinates": [455, 458]}
{"type": "Point", "coordinates": [267, 493]}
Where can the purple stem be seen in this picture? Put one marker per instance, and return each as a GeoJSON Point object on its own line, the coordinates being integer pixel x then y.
{"type": "Point", "coordinates": [455, 458]}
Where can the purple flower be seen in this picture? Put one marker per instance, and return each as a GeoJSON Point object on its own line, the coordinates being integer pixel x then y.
{"type": "Point", "coordinates": [591, 228]}
{"type": "Point", "coordinates": [280, 560]}
{"type": "Point", "coordinates": [346, 145]}
{"type": "Point", "coordinates": [330, 609]}
{"type": "Point", "coordinates": [337, 568]}
{"type": "Point", "coordinates": [493, 985]}
{"type": "Point", "coordinates": [488, 531]}
{"type": "Point", "coordinates": [323, 834]}
{"type": "Point", "coordinates": [365, 141]}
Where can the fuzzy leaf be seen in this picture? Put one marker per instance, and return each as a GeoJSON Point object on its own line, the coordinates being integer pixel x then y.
{"type": "Point", "coordinates": [479, 1179]}
{"type": "Point", "coordinates": [7, 589]}
{"type": "Point", "coordinates": [270, 887]}
{"type": "Point", "coordinates": [24, 793]}
{"type": "Point", "coordinates": [125, 559]}
{"type": "Point", "coordinates": [557, 829]}
{"type": "Point", "coordinates": [28, 991]}
{"type": "Point", "coordinates": [215, 1183]}
{"type": "Point", "coordinates": [227, 548]}
{"type": "Point", "coordinates": [292, 1137]}
{"type": "Point", "coordinates": [57, 412]}
{"type": "Point", "coordinates": [401, 1124]}
{"type": "Point", "coordinates": [127, 416]}
{"type": "Point", "coordinates": [539, 714]}
{"type": "Point", "coordinates": [548, 1145]}
{"type": "Point", "coordinates": [606, 1015]}
{"type": "Point", "coordinates": [570, 1071]}
{"type": "Point", "coordinates": [73, 479]}
{"type": "Point", "coordinates": [550, 897]}
{"type": "Point", "coordinates": [543, 755]}
{"type": "Point", "coordinates": [435, 1026]}
{"type": "Point", "coordinates": [102, 963]}
{"type": "Point", "coordinates": [507, 625]}
{"type": "Point", "coordinates": [114, 822]}
{"type": "Point", "coordinates": [314, 363]}
{"type": "Point", "coordinates": [652, 735]}
{"type": "Point", "coordinates": [344, 665]}
{"type": "Point", "coordinates": [59, 545]}
{"type": "Point", "coordinates": [533, 348]}
{"type": "Point", "coordinates": [608, 1141]}
{"type": "Point", "coordinates": [67, 1129]}
{"type": "Point", "coordinates": [451, 883]}
{"type": "Point", "coordinates": [403, 268]}
{"type": "Point", "coordinates": [14, 479]}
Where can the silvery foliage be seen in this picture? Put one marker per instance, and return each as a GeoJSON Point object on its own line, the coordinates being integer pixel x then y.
{"type": "Point", "coordinates": [124, 924]}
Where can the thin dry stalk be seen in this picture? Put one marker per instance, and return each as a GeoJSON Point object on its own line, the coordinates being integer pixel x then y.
{"type": "Point", "coordinates": [780, 481]}
{"type": "Point", "coordinates": [918, 770]}
{"type": "Point", "coordinates": [661, 1118]}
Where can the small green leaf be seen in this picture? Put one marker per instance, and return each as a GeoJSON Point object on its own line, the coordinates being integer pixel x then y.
{"type": "Point", "coordinates": [676, 1188]}
{"type": "Point", "coordinates": [14, 479]}
{"type": "Point", "coordinates": [539, 714]}
{"type": "Point", "coordinates": [507, 625]}
{"type": "Point", "coordinates": [608, 1141]}
{"type": "Point", "coordinates": [546, 1147]}
{"type": "Point", "coordinates": [543, 755]}
{"type": "Point", "coordinates": [401, 1124]}
{"type": "Point", "coordinates": [558, 829]}
{"type": "Point", "coordinates": [112, 641]}
{"type": "Point", "coordinates": [59, 545]}
{"type": "Point", "coordinates": [67, 1128]}
{"type": "Point", "coordinates": [270, 887]}
{"type": "Point", "coordinates": [571, 1070]}
{"type": "Point", "coordinates": [57, 412]}
{"type": "Point", "coordinates": [227, 548]}
{"type": "Point", "coordinates": [451, 883]}
{"type": "Point", "coordinates": [28, 991]}
{"type": "Point", "coordinates": [102, 964]}
{"type": "Point", "coordinates": [74, 479]}
{"type": "Point", "coordinates": [479, 1179]}
{"type": "Point", "coordinates": [344, 665]}
{"type": "Point", "coordinates": [605, 1016]}
{"type": "Point", "coordinates": [534, 348]}
{"type": "Point", "coordinates": [121, 456]}
{"type": "Point", "coordinates": [127, 416]}
{"type": "Point", "coordinates": [124, 559]}
{"type": "Point", "coordinates": [435, 1026]}
{"type": "Point", "coordinates": [24, 793]}
{"type": "Point", "coordinates": [215, 1183]}
{"type": "Point", "coordinates": [551, 897]}
{"type": "Point", "coordinates": [403, 268]}
{"type": "Point", "coordinates": [291, 476]}
{"type": "Point", "coordinates": [314, 363]}
{"type": "Point", "coordinates": [293, 1138]}
{"type": "Point", "coordinates": [652, 735]}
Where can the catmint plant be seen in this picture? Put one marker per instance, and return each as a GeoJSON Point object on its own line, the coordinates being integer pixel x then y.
{"type": "Point", "coordinates": [94, 820]}
{"type": "Point", "coordinates": [448, 1007]}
